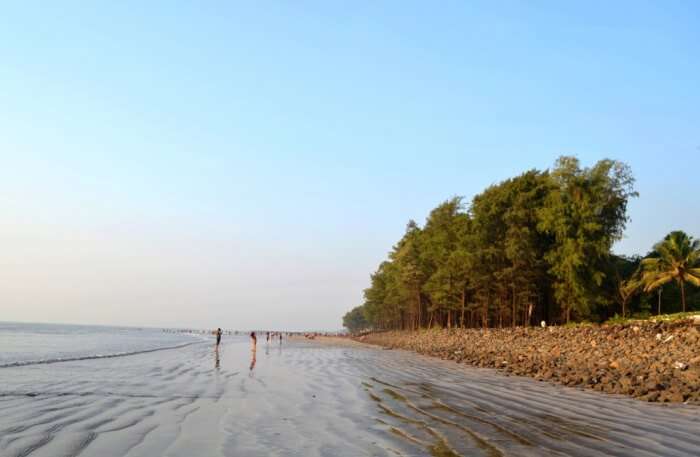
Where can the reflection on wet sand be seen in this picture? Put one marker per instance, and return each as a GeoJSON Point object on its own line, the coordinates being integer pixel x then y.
{"type": "Point", "coordinates": [217, 361]}
{"type": "Point", "coordinates": [252, 360]}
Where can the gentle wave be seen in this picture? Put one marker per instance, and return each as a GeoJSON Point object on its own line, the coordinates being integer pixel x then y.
{"type": "Point", "coordinates": [23, 363]}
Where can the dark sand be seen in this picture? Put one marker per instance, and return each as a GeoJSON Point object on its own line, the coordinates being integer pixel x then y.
{"type": "Point", "coordinates": [313, 399]}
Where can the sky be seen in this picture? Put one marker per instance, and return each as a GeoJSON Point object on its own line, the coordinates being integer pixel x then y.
{"type": "Point", "coordinates": [248, 165]}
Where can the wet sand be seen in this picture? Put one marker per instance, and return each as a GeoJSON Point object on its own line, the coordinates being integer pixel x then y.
{"type": "Point", "coordinates": [313, 399]}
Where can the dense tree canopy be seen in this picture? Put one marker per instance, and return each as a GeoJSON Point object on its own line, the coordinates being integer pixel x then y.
{"type": "Point", "coordinates": [354, 320]}
{"type": "Point", "coordinates": [534, 247]}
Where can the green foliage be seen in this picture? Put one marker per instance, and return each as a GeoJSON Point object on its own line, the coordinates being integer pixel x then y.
{"type": "Point", "coordinates": [534, 247]}
{"type": "Point", "coordinates": [676, 258]}
{"type": "Point", "coordinates": [444, 256]}
{"type": "Point", "coordinates": [622, 284]}
{"type": "Point", "coordinates": [645, 316]}
{"type": "Point", "coordinates": [586, 214]}
{"type": "Point", "coordinates": [354, 320]}
{"type": "Point", "coordinates": [584, 323]}
{"type": "Point", "coordinates": [617, 319]}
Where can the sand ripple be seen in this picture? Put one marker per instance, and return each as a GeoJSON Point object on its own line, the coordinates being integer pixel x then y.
{"type": "Point", "coordinates": [306, 399]}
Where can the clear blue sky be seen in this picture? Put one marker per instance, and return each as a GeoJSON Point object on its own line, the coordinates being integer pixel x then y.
{"type": "Point", "coordinates": [248, 164]}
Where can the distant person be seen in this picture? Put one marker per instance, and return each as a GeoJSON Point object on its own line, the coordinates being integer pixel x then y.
{"type": "Point", "coordinates": [268, 337]}
{"type": "Point", "coordinates": [280, 338]}
{"type": "Point", "coordinates": [253, 339]}
{"type": "Point", "coordinates": [218, 337]}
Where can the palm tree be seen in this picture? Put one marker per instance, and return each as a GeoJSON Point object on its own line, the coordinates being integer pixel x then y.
{"type": "Point", "coordinates": [677, 258]}
{"type": "Point", "coordinates": [625, 291]}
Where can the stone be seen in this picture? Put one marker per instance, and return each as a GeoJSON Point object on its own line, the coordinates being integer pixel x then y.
{"type": "Point", "coordinates": [651, 396]}
{"type": "Point", "coordinates": [680, 366]}
{"type": "Point", "coordinates": [650, 361]}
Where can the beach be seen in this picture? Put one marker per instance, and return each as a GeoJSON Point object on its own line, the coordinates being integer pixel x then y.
{"type": "Point", "coordinates": [308, 398]}
{"type": "Point", "coordinates": [654, 361]}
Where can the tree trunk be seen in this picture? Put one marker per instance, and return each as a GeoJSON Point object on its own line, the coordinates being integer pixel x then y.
{"type": "Point", "coordinates": [420, 320]}
{"type": "Point", "coordinates": [464, 299]}
{"type": "Point", "coordinates": [682, 283]}
{"type": "Point", "coordinates": [513, 307]}
{"type": "Point", "coordinates": [659, 305]}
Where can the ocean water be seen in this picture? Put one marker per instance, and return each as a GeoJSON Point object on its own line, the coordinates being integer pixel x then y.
{"type": "Point", "coordinates": [30, 344]}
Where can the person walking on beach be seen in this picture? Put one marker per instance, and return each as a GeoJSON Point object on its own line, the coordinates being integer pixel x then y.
{"type": "Point", "coordinates": [218, 337]}
{"type": "Point", "coordinates": [252, 362]}
{"type": "Point", "coordinates": [253, 340]}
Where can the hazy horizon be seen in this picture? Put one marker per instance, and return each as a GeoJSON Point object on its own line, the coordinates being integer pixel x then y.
{"type": "Point", "coordinates": [174, 165]}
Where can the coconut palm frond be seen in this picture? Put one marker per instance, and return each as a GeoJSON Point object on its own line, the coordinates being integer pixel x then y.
{"type": "Point", "coordinates": [693, 276]}
{"type": "Point", "coordinates": [657, 281]}
{"type": "Point", "coordinates": [649, 263]}
{"type": "Point", "coordinates": [665, 251]}
{"type": "Point", "coordinates": [630, 286]}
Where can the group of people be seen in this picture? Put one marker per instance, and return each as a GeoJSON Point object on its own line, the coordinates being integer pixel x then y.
{"type": "Point", "coordinates": [270, 336]}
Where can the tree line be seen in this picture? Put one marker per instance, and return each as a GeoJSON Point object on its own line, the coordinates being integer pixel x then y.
{"type": "Point", "coordinates": [534, 247]}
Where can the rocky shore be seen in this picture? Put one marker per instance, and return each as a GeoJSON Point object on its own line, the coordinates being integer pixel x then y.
{"type": "Point", "coordinates": [652, 361]}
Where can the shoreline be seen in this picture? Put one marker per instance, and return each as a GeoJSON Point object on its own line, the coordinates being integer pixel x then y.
{"type": "Point", "coordinates": [327, 396]}
{"type": "Point", "coordinates": [649, 361]}
{"type": "Point", "coordinates": [344, 341]}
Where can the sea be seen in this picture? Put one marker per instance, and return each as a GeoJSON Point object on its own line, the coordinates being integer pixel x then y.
{"type": "Point", "coordinates": [30, 344]}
